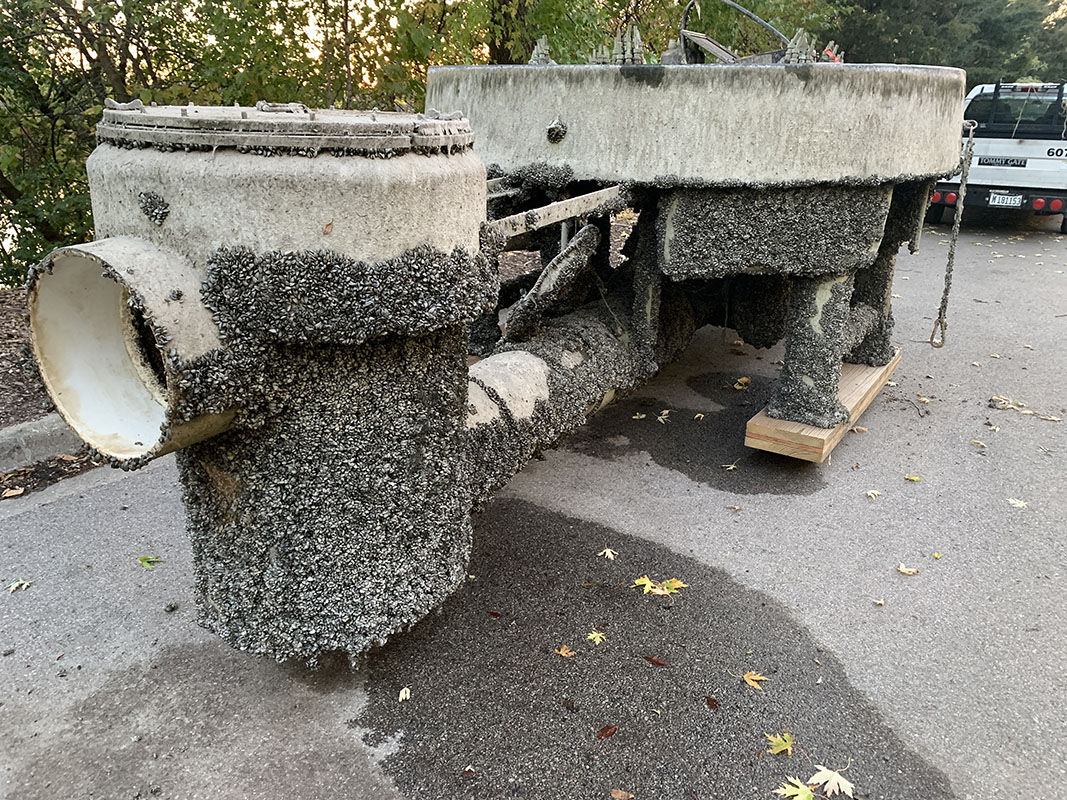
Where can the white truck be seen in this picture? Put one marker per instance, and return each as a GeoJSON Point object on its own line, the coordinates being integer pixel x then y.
{"type": "Point", "coordinates": [1020, 151]}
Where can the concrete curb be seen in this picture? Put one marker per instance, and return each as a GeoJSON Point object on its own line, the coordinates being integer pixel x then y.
{"type": "Point", "coordinates": [29, 442]}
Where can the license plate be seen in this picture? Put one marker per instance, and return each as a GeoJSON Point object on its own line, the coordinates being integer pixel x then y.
{"type": "Point", "coordinates": [1006, 200]}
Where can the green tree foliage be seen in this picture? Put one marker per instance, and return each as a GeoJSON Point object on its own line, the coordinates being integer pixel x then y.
{"type": "Point", "coordinates": [993, 40]}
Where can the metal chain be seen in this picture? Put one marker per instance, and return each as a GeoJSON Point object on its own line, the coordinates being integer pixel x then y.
{"type": "Point", "coordinates": [968, 152]}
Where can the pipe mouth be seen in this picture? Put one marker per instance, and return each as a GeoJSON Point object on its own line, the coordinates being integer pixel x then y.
{"type": "Point", "coordinates": [98, 358]}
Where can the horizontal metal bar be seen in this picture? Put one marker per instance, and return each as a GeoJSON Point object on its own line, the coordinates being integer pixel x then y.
{"type": "Point", "coordinates": [526, 221]}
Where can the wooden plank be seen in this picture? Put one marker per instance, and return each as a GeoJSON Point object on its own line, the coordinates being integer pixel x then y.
{"type": "Point", "coordinates": [527, 221]}
{"type": "Point", "coordinates": [858, 387]}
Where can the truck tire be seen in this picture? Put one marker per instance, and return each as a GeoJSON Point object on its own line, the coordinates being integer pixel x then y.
{"type": "Point", "coordinates": [1063, 224]}
{"type": "Point", "coordinates": [936, 212]}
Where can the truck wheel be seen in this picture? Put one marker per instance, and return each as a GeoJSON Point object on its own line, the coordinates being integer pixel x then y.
{"type": "Point", "coordinates": [1063, 224]}
{"type": "Point", "coordinates": [936, 212]}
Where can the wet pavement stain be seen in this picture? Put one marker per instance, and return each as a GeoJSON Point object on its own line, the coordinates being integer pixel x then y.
{"type": "Point", "coordinates": [494, 712]}
{"type": "Point", "coordinates": [699, 448]}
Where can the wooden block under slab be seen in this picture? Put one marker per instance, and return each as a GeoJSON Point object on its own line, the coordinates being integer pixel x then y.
{"type": "Point", "coordinates": [858, 387]}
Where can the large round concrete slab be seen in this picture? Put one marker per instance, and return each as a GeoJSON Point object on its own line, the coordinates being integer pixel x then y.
{"type": "Point", "coordinates": [716, 125]}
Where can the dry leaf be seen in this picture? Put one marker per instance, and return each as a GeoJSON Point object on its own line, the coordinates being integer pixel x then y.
{"type": "Point", "coordinates": [880, 601]}
{"type": "Point", "coordinates": [753, 679]}
{"type": "Point", "coordinates": [729, 467]}
{"type": "Point", "coordinates": [659, 662]}
{"type": "Point", "coordinates": [699, 416]}
{"type": "Point", "coordinates": [713, 704]}
{"type": "Point", "coordinates": [976, 363]}
{"type": "Point", "coordinates": [832, 781]}
{"type": "Point", "coordinates": [619, 794]}
{"type": "Point", "coordinates": [924, 399]}
{"type": "Point", "coordinates": [606, 732]}
{"type": "Point", "coordinates": [994, 355]}
{"type": "Point", "coordinates": [873, 493]}
{"type": "Point", "coordinates": [405, 694]}
{"type": "Point", "coordinates": [327, 229]}
{"type": "Point", "coordinates": [639, 415]}
{"type": "Point", "coordinates": [906, 570]}
{"type": "Point", "coordinates": [858, 429]}
{"type": "Point", "coordinates": [14, 492]}
{"type": "Point", "coordinates": [1015, 502]}
{"type": "Point", "coordinates": [780, 744]}
{"type": "Point", "coordinates": [564, 651]}
{"type": "Point", "coordinates": [735, 509]}
{"type": "Point", "coordinates": [741, 384]}
{"type": "Point", "coordinates": [739, 342]}
{"type": "Point", "coordinates": [608, 553]}
{"type": "Point", "coordinates": [1049, 418]}
{"type": "Point", "coordinates": [913, 478]}
{"type": "Point", "coordinates": [978, 443]}
{"type": "Point", "coordinates": [20, 585]}
{"type": "Point", "coordinates": [890, 383]}
{"type": "Point", "coordinates": [896, 296]}
{"type": "Point", "coordinates": [1028, 346]}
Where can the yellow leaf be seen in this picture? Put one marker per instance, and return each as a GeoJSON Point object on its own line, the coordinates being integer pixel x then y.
{"type": "Point", "coordinates": [644, 582]}
{"type": "Point", "coordinates": [741, 384]}
{"type": "Point", "coordinates": [753, 679]}
{"type": "Point", "coordinates": [906, 570]}
{"type": "Point", "coordinates": [795, 790]}
{"type": "Point", "coordinates": [780, 744]}
{"type": "Point", "coordinates": [14, 492]}
{"type": "Point", "coordinates": [913, 478]}
{"type": "Point", "coordinates": [564, 651]}
{"type": "Point", "coordinates": [937, 556]}
{"type": "Point", "coordinates": [1015, 502]}
{"type": "Point", "coordinates": [873, 493]}
{"type": "Point", "coordinates": [608, 553]}
{"type": "Point", "coordinates": [596, 637]}
{"type": "Point", "coordinates": [674, 584]}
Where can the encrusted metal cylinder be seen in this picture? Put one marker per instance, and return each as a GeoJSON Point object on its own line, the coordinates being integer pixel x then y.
{"type": "Point", "coordinates": [334, 261]}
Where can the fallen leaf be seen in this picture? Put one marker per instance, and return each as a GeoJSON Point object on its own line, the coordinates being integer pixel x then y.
{"type": "Point", "coordinates": [795, 790]}
{"type": "Point", "coordinates": [596, 636]}
{"type": "Point", "coordinates": [713, 704]}
{"type": "Point", "coordinates": [608, 553]}
{"type": "Point", "coordinates": [644, 582]}
{"type": "Point", "coordinates": [753, 679]}
{"type": "Point", "coordinates": [976, 363]}
{"type": "Point", "coordinates": [739, 342]}
{"type": "Point", "coordinates": [1049, 418]}
{"type": "Point", "coordinates": [913, 478]}
{"type": "Point", "coordinates": [1028, 346]}
{"type": "Point", "coordinates": [937, 556]}
{"type": "Point", "coordinates": [619, 794]}
{"type": "Point", "coordinates": [994, 355]}
{"type": "Point", "coordinates": [20, 585]}
{"type": "Point", "coordinates": [663, 420]}
{"type": "Point", "coordinates": [858, 429]}
{"type": "Point", "coordinates": [405, 694]}
{"type": "Point", "coordinates": [832, 781]}
{"type": "Point", "coordinates": [906, 570]}
{"type": "Point", "coordinates": [896, 296]}
{"type": "Point", "coordinates": [327, 229]}
{"type": "Point", "coordinates": [924, 399]}
{"type": "Point", "coordinates": [735, 509]}
{"type": "Point", "coordinates": [639, 415]}
{"type": "Point", "coordinates": [699, 416]}
{"type": "Point", "coordinates": [659, 662]}
{"type": "Point", "coordinates": [741, 384]}
{"type": "Point", "coordinates": [729, 467]}
{"type": "Point", "coordinates": [606, 732]}
{"type": "Point", "coordinates": [1015, 502]}
{"type": "Point", "coordinates": [880, 601]}
{"type": "Point", "coordinates": [13, 492]}
{"type": "Point", "coordinates": [149, 562]}
{"type": "Point", "coordinates": [890, 383]}
{"type": "Point", "coordinates": [978, 443]}
{"type": "Point", "coordinates": [873, 493]}
{"type": "Point", "coordinates": [780, 743]}
{"type": "Point", "coordinates": [564, 651]}
{"type": "Point", "coordinates": [495, 614]}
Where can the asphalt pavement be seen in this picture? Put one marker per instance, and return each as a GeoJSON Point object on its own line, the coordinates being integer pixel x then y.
{"type": "Point", "coordinates": [951, 685]}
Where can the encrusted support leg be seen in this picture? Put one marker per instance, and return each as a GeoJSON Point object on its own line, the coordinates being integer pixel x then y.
{"type": "Point", "coordinates": [873, 288]}
{"type": "Point", "coordinates": [816, 336]}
